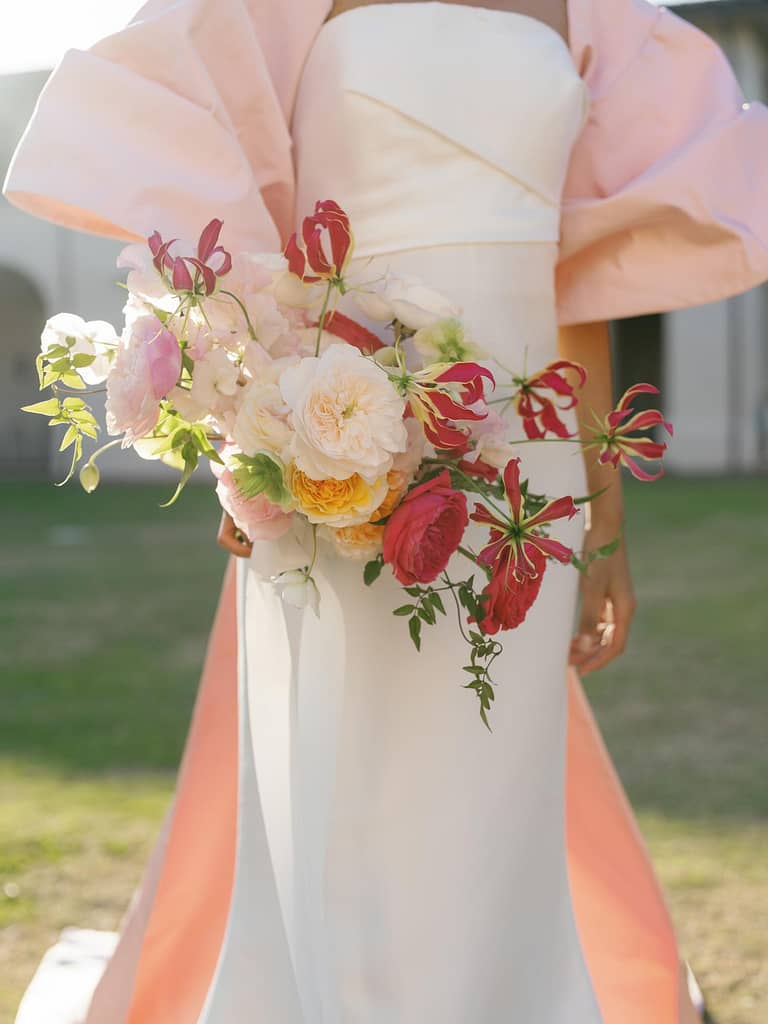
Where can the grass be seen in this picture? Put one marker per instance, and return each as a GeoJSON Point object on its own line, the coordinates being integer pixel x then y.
{"type": "Point", "coordinates": [95, 702]}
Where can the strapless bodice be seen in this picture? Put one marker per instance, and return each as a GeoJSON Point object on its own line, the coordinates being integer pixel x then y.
{"type": "Point", "coordinates": [433, 123]}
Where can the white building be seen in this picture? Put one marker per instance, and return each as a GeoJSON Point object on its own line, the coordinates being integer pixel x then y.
{"type": "Point", "coordinates": [711, 362]}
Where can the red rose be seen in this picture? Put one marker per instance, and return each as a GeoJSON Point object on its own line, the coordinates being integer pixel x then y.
{"type": "Point", "coordinates": [507, 601]}
{"type": "Point", "coordinates": [425, 530]}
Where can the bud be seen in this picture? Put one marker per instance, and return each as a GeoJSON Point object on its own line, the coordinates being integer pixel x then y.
{"type": "Point", "coordinates": [89, 477]}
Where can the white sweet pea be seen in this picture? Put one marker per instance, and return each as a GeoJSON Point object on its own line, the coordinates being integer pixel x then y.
{"type": "Point", "coordinates": [404, 298]}
{"type": "Point", "coordinates": [214, 394]}
{"type": "Point", "coordinates": [144, 281]}
{"type": "Point", "coordinates": [492, 446]}
{"type": "Point", "coordinates": [95, 339]}
{"type": "Point", "coordinates": [346, 414]}
{"type": "Point", "coordinates": [297, 588]}
{"type": "Point", "coordinates": [228, 319]}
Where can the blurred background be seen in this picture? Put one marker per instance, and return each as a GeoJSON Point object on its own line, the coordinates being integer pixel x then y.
{"type": "Point", "coordinates": [106, 602]}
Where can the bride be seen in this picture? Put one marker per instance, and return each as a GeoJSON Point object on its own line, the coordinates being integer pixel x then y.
{"type": "Point", "coordinates": [347, 843]}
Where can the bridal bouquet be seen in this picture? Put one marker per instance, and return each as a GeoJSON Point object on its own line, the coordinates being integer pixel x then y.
{"type": "Point", "coordinates": [372, 441]}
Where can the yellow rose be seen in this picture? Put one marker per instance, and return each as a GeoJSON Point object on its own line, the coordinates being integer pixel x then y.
{"type": "Point", "coordinates": [365, 540]}
{"type": "Point", "coordinates": [336, 502]}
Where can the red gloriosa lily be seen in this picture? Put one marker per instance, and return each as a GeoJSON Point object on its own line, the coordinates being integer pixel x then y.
{"type": "Point", "coordinates": [316, 262]}
{"type": "Point", "coordinates": [507, 602]}
{"type": "Point", "coordinates": [442, 396]}
{"type": "Point", "coordinates": [196, 274]}
{"type": "Point", "coordinates": [614, 440]}
{"type": "Point", "coordinates": [352, 332]}
{"type": "Point", "coordinates": [515, 538]}
{"type": "Point", "coordinates": [538, 411]}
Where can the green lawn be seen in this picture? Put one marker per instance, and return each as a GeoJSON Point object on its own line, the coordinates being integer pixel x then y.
{"type": "Point", "coordinates": [95, 700]}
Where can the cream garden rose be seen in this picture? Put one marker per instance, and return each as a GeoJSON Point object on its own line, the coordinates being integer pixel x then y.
{"type": "Point", "coordinates": [260, 424]}
{"type": "Point", "coordinates": [346, 416]}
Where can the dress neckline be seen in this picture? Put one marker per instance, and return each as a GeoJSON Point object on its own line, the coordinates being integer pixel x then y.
{"type": "Point", "coordinates": [475, 8]}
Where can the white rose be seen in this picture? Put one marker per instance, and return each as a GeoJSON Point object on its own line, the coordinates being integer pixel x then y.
{"type": "Point", "coordinates": [347, 416]}
{"type": "Point", "coordinates": [96, 339]}
{"type": "Point", "coordinates": [403, 298]}
{"type": "Point", "coordinates": [260, 422]}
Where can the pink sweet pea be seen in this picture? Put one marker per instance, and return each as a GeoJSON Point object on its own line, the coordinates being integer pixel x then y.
{"type": "Point", "coordinates": [618, 448]}
{"type": "Point", "coordinates": [317, 261]}
{"type": "Point", "coordinates": [515, 538]}
{"type": "Point", "coordinates": [537, 410]}
{"type": "Point", "coordinates": [195, 274]}
{"type": "Point", "coordinates": [442, 396]}
{"type": "Point", "coordinates": [146, 368]}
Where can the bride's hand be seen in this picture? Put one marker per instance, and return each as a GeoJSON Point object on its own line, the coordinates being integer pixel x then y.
{"type": "Point", "coordinates": [607, 607]}
{"type": "Point", "coordinates": [231, 539]}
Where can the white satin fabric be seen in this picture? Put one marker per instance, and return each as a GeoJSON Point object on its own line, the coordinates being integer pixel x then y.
{"type": "Point", "coordinates": [397, 863]}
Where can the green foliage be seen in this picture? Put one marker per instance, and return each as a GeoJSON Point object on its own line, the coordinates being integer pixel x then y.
{"type": "Point", "coordinates": [262, 473]}
{"type": "Point", "coordinates": [372, 570]}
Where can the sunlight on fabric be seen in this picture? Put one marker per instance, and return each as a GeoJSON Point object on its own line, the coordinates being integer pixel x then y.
{"type": "Point", "coordinates": [41, 30]}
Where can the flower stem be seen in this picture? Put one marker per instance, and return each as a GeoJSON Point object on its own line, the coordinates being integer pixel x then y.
{"type": "Point", "coordinates": [323, 314]}
{"type": "Point", "coordinates": [104, 447]}
{"type": "Point", "coordinates": [244, 311]}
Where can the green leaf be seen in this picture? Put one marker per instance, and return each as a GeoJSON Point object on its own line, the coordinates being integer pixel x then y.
{"type": "Point", "coordinates": [427, 614]}
{"type": "Point", "coordinates": [55, 352]}
{"type": "Point", "coordinates": [372, 571]}
{"type": "Point", "coordinates": [412, 591]}
{"type": "Point", "coordinates": [83, 359]}
{"type": "Point", "coordinates": [190, 455]}
{"type": "Point", "coordinates": [608, 549]}
{"type": "Point", "coordinates": [414, 628]}
{"type": "Point", "coordinates": [262, 473]}
{"type": "Point", "coordinates": [404, 609]}
{"type": "Point", "coordinates": [77, 451]}
{"type": "Point", "coordinates": [437, 602]}
{"type": "Point", "coordinates": [70, 436]}
{"type": "Point", "coordinates": [48, 408]}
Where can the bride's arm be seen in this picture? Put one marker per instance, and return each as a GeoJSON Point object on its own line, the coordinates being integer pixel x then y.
{"type": "Point", "coordinates": [231, 539]}
{"type": "Point", "coordinates": [607, 596]}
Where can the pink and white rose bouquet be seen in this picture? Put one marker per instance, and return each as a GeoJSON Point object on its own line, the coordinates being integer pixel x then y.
{"type": "Point", "coordinates": [384, 444]}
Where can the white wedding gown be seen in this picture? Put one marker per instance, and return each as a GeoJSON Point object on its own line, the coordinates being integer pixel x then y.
{"type": "Point", "coordinates": [397, 863]}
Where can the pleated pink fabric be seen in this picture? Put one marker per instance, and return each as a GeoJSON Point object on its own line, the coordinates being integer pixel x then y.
{"type": "Point", "coordinates": [665, 204]}
{"type": "Point", "coordinates": [185, 115]}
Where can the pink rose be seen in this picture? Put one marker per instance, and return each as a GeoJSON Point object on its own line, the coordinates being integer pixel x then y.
{"type": "Point", "coordinates": [258, 518]}
{"type": "Point", "coordinates": [425, 530]}
{"type": "Point", "coordinates": [146, 368]}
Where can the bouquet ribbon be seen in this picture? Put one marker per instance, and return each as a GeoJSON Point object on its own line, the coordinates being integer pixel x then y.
{"type": "Point", "coordinates": [291, 678]}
